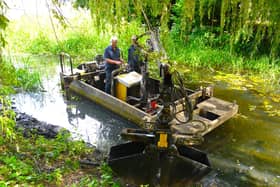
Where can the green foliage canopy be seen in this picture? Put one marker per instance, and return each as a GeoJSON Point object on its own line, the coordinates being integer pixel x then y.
{"type": "Point", "coordinates": [254, 25]}
{"type": "Point", "coordinates": [3, 24]}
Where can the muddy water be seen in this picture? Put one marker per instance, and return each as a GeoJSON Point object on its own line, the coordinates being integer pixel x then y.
{"type": "Point", "coordinates": [243, 152]}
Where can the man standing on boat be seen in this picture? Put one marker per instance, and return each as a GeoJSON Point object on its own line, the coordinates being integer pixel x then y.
{"type": "Point", "coordinates": [134, 61]}
{"type": "Point", "coordinates": [113, 60]}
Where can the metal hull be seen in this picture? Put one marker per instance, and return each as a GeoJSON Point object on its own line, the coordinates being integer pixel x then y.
{"type": "Point", "coordinates": [112, 103]}
{"type": "Point", "coordinates": [212, 111]}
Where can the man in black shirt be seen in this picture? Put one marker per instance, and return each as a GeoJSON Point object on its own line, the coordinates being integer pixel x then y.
{"type": "Point", "coordinates": [134, 61]}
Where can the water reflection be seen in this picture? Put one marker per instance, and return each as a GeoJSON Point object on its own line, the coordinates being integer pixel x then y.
{"type": "Point", "coordinates": [95, 124]}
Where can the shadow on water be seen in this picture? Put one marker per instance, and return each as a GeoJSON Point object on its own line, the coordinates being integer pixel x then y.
{"type": "Point", "coordinates": [242, 152]}
{"type": "Point", "coordinates": [95, 124]}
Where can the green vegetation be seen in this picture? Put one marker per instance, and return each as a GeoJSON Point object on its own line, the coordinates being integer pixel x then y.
{"type": "Point", "coordinates": [81, 40]}
{"type": "Point", "coordinates": [203, 48]}
{"type": "Point", "coordinates": [3, 24]}
{"type": "Point", "coordinates": [21, 77]}
{"type": "Point", "coordinates": [231, 36]}
{"type": "Point", "coordinates": [225, 35]}
{"type": "Point", "coordinates": [40, 161]}
{"type": "Point", "coordinates": [253, 25]}
{"type": "Point", "coordinates": [37, 161]}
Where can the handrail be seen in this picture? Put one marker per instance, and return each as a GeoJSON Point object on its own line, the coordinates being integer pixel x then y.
{"type": "Point", "coordinates": [62, 56]}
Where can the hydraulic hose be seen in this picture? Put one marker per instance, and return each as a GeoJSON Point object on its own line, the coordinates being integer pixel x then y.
{"type": "Point", "coordinates": [190, 138]}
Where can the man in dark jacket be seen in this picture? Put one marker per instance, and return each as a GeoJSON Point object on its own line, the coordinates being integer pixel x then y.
{"type": "Point", "coordinates": [134, 60]}
{"type": "Point", "coordinates": [113, 60]}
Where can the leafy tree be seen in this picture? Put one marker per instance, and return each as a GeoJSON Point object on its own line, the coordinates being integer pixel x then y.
{"type": "Point", "coordinates": [254, 25]}
{"type": "Point", "coordinates": [3, 24]}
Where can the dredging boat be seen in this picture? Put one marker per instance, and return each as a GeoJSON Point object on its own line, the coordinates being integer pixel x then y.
{"type": "Point", "coordinates": [172, 118]}
{"type": "Point", "coordinates": [137, 98]}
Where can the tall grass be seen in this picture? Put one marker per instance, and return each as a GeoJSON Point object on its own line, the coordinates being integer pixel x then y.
{"type": "Point", "coordinates": [12, 78]}
{"type": "Point", "coordinates": [203, 49]}
{"type": "Point", "coordinates": [81, 39]}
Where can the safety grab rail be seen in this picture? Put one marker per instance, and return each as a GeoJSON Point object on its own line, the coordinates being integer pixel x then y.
{"type": "Point", "coordinates": [62, 56]}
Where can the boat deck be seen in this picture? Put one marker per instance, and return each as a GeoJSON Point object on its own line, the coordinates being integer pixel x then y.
{"type": "Point", "coordinates": [212, 113]}
{"type": "Point", "coordinates": [209, 112]}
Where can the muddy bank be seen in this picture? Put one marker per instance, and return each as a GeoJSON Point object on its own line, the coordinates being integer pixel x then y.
{"type": "Point", "coordinates": [29, 126]}
{"type": "Point", "coordinates": [89, 164]}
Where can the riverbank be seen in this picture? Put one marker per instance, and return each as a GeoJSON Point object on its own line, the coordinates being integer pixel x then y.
{"type": "Point", "coordinates": [39, 153]}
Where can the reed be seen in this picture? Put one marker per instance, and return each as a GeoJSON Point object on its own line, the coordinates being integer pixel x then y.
{"type": "Point", "coordinates": [12, 77]}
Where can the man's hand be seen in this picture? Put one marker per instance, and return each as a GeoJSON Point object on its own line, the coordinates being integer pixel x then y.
{"type": "Point", "coordinates": [110, 61]}
{"type": "Point", "coordinates": [118, 62]}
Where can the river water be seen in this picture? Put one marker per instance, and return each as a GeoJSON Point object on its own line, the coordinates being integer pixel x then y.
{"type": "Point", "coordinates": [243, 151]}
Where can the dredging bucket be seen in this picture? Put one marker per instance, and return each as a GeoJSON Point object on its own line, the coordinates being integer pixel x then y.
{"type": "Point", "coordinates": [141, 163]}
